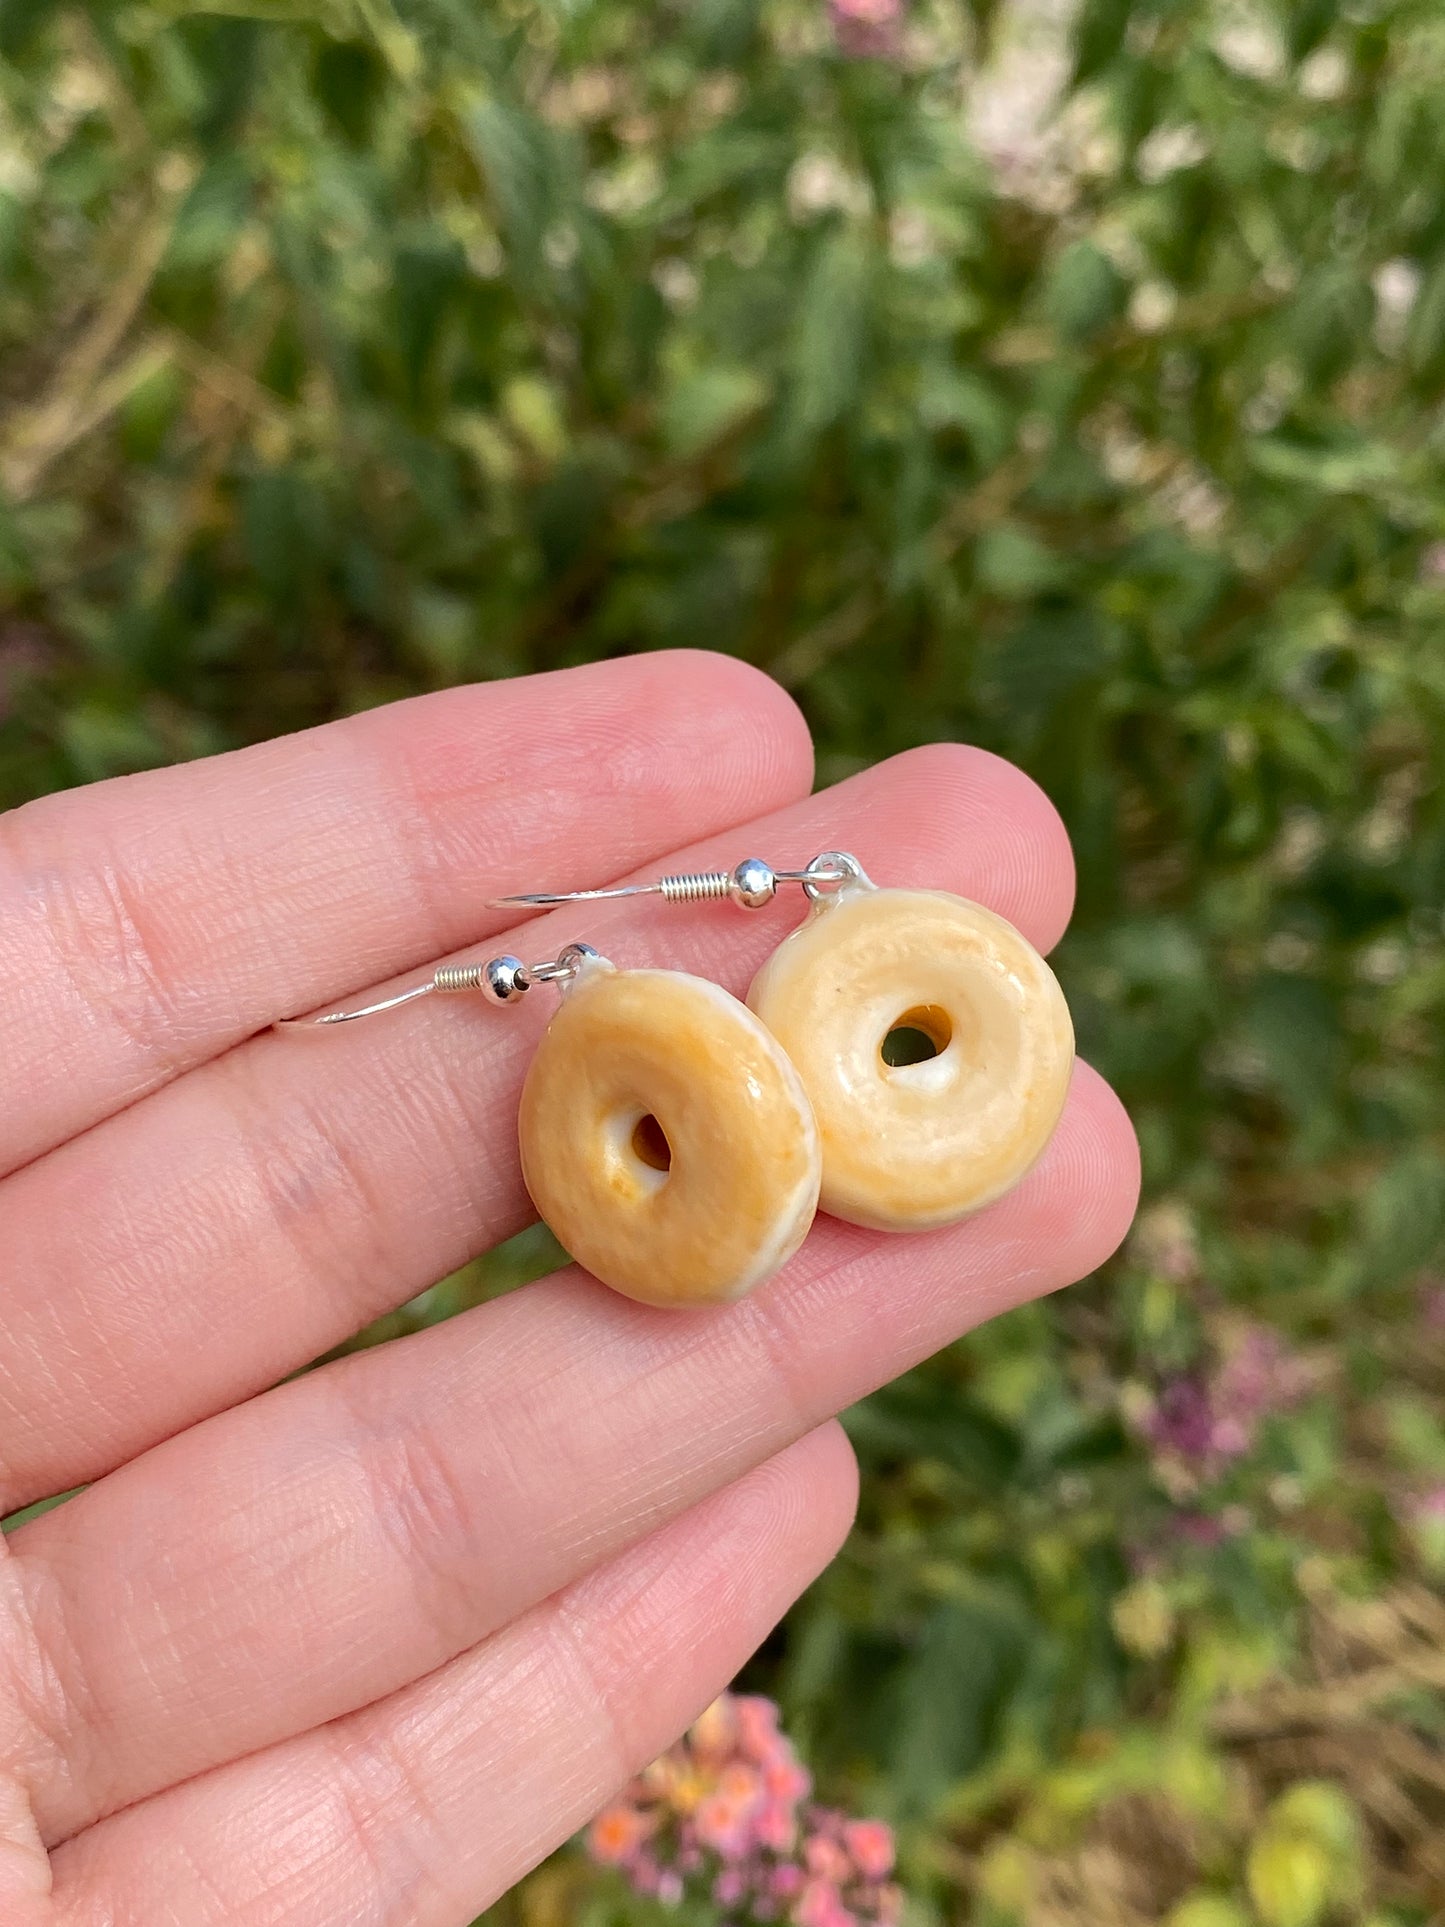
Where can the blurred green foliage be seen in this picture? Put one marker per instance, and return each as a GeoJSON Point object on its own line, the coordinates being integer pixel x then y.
{"type": "Point", "coordinates": [1068, 385]}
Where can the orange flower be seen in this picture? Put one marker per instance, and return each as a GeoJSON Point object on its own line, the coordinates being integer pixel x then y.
{"type": "Point", "coordinates": [740, 1784]}
{"type": "Point", "coordinates": [616, 1834]}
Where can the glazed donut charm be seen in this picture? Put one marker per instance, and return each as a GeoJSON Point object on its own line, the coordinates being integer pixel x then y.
{"type": "Point", "coordinates": [666, 1139]}
{"type": "Point", "coordinates": [915, 1145]}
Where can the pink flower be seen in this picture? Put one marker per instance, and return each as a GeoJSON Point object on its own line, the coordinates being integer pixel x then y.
{"type": "Point", "coordinates": [866, 29]}
{"type": "Point", "coordinates": [1182, 1421]}
{"type": "Point", "coordinates": [786, 1780]}
{"type": "Point", "coordinates": [756, 1726]}
{"type": "Point", "coordinates": [723, 1825]}
{"type": "Point", "coordinates": [821, 1905]}
{"type": "Point", "coordinates": [1259, 1375]}
{"type": "Point", "coordinates": [644, 1873]}
{"type": "Point", "coordinates": [775, 1826]}
{"type": "Point", "coordinates": [826, 1860]}
{"type": "Point", "coordinates": [870, 1842]}
{"type": "Point", "coordinates": [869, 13]}
{"type": "Point", "coordinates": [1200, 1528]}
{"type": "Point", "coordinates": [1207, 1421]}
{"type": "Point", "coordinates": [722, 1813]}
{"type": "Point", "coordinates": [730, 1887]}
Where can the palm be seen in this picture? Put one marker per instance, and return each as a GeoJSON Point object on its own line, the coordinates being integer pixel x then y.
{"type": "Point", "coordinates": [362, 1648]}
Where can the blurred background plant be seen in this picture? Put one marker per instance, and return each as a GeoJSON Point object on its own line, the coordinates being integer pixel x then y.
{"type": "Point", "coordinates": [1064, 380]}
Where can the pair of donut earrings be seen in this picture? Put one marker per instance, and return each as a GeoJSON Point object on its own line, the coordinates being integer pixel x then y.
{"type": "Point", "coordinates": [901, 1060]}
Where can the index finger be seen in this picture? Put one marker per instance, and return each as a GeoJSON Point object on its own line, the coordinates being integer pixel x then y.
{"type": "Point", "coordinates": [151, 922]}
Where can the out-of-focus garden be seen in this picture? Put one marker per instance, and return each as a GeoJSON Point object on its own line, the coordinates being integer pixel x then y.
{"type": "Point", "coordinates": [1065, 381]}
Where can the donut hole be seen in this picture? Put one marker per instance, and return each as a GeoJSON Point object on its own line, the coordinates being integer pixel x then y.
{"type": "Point", "coordinates": [650, 1145]}
{"type": "Point", "coordinates": [916, 1037]}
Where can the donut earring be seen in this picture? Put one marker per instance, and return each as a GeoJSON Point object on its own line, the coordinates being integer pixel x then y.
{"type": "Point", "coordinates": [665, 1135]}
{"type": "Point", "coordinates": [921, 1137]}
{"type": "Point", "coordinates": [932, 1039]}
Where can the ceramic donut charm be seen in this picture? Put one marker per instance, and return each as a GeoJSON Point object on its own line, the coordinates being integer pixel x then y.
{"type": "Point", "coordinates": [914, 1145]}
{"type": "Point", "coordinates": [666, 1139]}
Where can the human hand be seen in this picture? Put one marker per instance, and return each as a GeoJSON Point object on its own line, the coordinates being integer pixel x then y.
{"type": "Point", "coordinates": [359, 1650]}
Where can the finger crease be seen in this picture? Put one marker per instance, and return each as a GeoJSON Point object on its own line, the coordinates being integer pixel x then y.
{"type": "Point", "coordinates": [425, 1512]}
{"type": "Point", "coordinates": [95, 928]}
{"type": "Point", "coordinates": [311, 1184]}
{"type": "Point", "coordinates": [44, 1685]}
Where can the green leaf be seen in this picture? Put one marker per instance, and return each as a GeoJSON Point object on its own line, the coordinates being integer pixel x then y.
{"type": "Point", "coordinates": [953, 1691]}
{"type": "Point", "coordinates": [1012, 563]}
{"type": "Point", "coordinates": [700, 406]}
{"type": "Point", "coordinates": [1098, 34]}
{"type": "Point", "coordinates": [1083, 291]}
{"type": "Point", "coordinates": [830, 333]}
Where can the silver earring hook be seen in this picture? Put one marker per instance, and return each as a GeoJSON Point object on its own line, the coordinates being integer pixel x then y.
{"type": "Point", "coordinates": [501, 980]}
{"type": "Point", "coordinates": [752, 884]}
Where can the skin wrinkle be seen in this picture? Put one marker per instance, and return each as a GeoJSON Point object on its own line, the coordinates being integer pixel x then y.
{"type": "Point", "coordinates": [41, 1708]}
{"type": "Point", "coordinates": [381, 1434]}
{"type": "Point", "coordinates": [25, 1882]}
{"type": "Point", "coordinates": [223, 1610]}
{"type": "Point", "coordinates": [370, 1788]}
{"type": "Point", "coordinates": [424, 1510]}
{"type": "Point", "coordinates": [318, 1165]}
{"type": "Point", "coordinates": [677, 1344]}
{"type": "Point", "coordinates": [99, 945]}
{"type": "Point", "coordinates": [241, 1149]}
{"type": "Point", "coordinates": [306, 1859]}
{"type": "Point", "coordinates": [122, 1243]}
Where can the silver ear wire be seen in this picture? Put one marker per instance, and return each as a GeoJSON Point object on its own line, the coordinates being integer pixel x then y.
{"type": "Point", "coordinates": [501, 980]}
{"type": "Point", "coordinates": [752, 884]}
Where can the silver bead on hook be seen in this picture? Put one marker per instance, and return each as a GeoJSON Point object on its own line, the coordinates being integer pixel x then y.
{"type": "Point", "coordinates": [501, 980]}
{"type": "Point", "coordinates": [752, 884]}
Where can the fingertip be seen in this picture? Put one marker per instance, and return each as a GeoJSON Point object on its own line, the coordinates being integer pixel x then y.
{"type": "Point", "coordinates": [767, 725]}
{"type": "Point", "coordinates": [956, 801]}
{"type": "Point", "coordinates": [1105, 1174]}
{"type": "Point", "coordinates": [1079, 1201]}
{"type": "Point", "coordinates": [818, 1491]}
